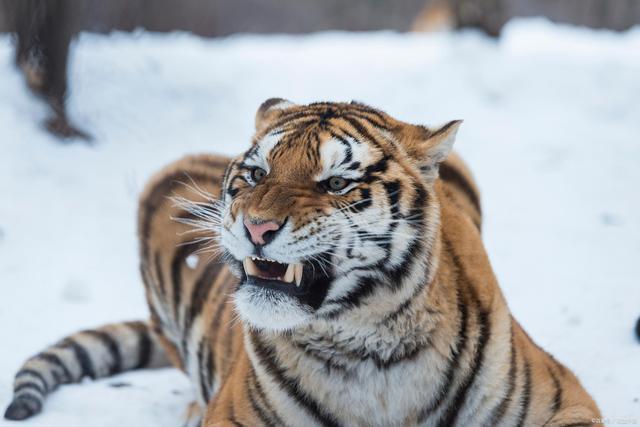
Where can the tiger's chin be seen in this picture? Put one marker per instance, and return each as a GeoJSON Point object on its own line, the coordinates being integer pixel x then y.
{"type": "Point", "coordinates": [277, 296]}
{"type": "Point", "coordinates": [272, 310]}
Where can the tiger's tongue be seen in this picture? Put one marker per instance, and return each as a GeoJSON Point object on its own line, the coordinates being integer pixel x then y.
{"type": "Point", "coordinates": [271, 270]}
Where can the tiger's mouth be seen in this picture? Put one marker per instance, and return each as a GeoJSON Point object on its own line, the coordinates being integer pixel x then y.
{"type": "Point", "coordinates": [307, 281]}
{"type": "Point", "coordinates": [268, 269]}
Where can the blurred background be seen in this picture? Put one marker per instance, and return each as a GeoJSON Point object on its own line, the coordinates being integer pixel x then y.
{"type": "Point", "coordinates": [97, 95]}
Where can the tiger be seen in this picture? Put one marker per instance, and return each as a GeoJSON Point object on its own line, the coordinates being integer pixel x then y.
{"type": "Point", "coordinates": [333, 274]}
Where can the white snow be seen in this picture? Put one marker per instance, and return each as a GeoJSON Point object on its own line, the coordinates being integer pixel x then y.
{"type": "Point", "coordinates": [552, 129]}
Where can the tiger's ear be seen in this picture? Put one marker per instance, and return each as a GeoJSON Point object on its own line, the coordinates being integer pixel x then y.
{"type": "Point", "coordinates": [435, 147]}
{"type": "Point", "coordinates": [270, 110]}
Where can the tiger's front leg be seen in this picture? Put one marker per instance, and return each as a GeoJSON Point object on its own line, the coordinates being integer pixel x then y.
{"type": "Point", "coordinates": [241, 399]}
{"type": "Point", "coordinates": [193, 415]}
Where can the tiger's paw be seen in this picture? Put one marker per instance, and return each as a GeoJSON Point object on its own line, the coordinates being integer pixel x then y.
{"type": "Point", "coordinates": [193, 415]}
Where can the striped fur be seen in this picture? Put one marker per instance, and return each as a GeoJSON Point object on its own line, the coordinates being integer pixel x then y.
{"type": "Point", "coordinates": [404, 323]}
{"type": "Point", "coordinates": [95, 353]}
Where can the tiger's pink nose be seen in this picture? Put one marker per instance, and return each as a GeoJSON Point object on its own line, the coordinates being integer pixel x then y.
{"type": "Point", "coordinates": [261, 232]}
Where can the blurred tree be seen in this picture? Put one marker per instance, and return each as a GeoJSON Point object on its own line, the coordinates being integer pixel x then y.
{"type": "Point", "coordinates": [491, 15]}
{"type": "Point", "coordinates": [43, 32]}
{"type": "Point", "coordinates": [44, 28]}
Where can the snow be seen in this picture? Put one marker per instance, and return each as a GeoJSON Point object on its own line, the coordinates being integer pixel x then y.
{"type": "Point", "coordinates": [552, 121]}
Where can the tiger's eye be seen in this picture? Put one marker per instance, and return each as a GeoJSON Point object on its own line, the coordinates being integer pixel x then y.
{"type": "Point", "coordinates": [257, 174]}
{"type": "Point", "coordinates": [336, 183]}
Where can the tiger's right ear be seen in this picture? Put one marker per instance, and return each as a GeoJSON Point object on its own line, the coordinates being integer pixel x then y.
{"type": "Point", "coordinates": [270, 110]}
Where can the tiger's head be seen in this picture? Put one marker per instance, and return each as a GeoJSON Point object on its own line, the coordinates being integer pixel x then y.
{"type": "Point", "coordinates": [330, 211]}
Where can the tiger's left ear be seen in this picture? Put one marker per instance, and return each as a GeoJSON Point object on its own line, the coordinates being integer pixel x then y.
{"type": "Point", "coordinates": [434, 148]}
{"type": "Point", "coordinates": [269, 111]}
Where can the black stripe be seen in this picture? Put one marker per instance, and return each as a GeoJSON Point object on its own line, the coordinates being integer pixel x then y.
{"type": "Point", "coordinates": [210, 369]}
{"type": "Point", "coordinates": [215, 320]}
{"type": "Point", "coordinates": [379, 167]}
{"type": "Point", "coordinates": [460, 343]}
{"type": "Point", "coordinates": [267, 357]}
{"type": "Point", "coordinates": [200, 294]}
{"type": "Point", "coordinates": [526, 394]}
{"type": "Point", "coordinates": [232, 414]}
{"type": "Point", "coordinates": [362, 115]}
{"type": "Point", "coordinates": [265, 401]}
{"type": "Point", "coordinates": [203, 376]}
{"type": "Point", "coordinates": [178, 262]}
{"type": "Point", "coordinates": [112, 348]}
{"type": "Point", "coordinates": [501, 409]}
{"type": "Point", "coordinates": [393, 195]}
{"type": "Point", "coordinates": [257, 409]}
{"type": "Point", "coordinates": [450, 174]}
{"type": "Point", "coordinates": [363, 131]}
{"type": "Point", "coordinates": [354, 166]}
{"type": "Point", "coordinates": [367, 109]}
{"type": "Point", "coordinates": [82, 357]}
{"type": "Point", "coordinates": [459, 400]}
{"type": "Point", "coordinates": [157, 261]}
{"type": "Point", "coordinates": [55, 360]}
{"type": "Point", "coordinates": [329, 364]}
{"type": "Point", "coordinates": [557, 395]}
{"type": "Point", "coordinates": [484, 332]}
{"type": "Point", "coordinates": [29, 386]}
{"type": "Point", "coordinates": [364, 202]}
{"type": "Point", "coordinates": [158, 195]}
{"type": "Point", "coordinates": [144, 344]}
{"type": "Point", "coordinates": [288, 119]}
{"type": "Point", "coordinates": [32, 372]}
{"type": "Point", "coordinates": [364, 287]}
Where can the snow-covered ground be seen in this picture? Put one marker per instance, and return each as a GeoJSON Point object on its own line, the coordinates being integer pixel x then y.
{"type": "Point", "coordinates": [552, 131]}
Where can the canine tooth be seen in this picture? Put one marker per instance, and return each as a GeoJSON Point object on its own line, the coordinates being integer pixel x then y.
{"type": "Point", "coordinates": [298, 273]}
{"type": "Point", "coordinates": [249, 267]}
{"type": "Point", "coordinates": [288, 276]}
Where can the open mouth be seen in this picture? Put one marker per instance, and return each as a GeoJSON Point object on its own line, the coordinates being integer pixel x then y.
{"type": "Point", "coordinates": [267, 269]}
{"type": "Point", "coordinates": [308, 281]}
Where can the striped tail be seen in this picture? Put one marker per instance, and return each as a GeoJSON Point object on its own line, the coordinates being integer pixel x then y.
{"type": "Point", "coordinates": [95, 353]}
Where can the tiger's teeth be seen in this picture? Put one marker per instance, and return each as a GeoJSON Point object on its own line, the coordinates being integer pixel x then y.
{"type": "Point", "coordinates": [298, 274]}
{"type": "Point", "coordinates": [288, 276]}
{"type": "Point", "coordinates": [250, 267]}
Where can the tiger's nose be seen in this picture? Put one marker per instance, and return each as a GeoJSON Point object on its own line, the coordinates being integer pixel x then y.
{"type": "Point", "coordinates": [261, 232]}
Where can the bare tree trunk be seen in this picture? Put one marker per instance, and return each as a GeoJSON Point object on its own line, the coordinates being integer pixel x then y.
{"type": "Point", "coordinates": [44, 29]}
{"type": "Point", "coordinates": [487, 15]}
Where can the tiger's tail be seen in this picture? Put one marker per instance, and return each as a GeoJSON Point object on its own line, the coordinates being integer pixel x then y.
{"type": "Point", "coordinates": [95, 353]}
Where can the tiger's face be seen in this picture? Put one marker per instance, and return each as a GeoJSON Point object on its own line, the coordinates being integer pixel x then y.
{"type": "Point", "coordinates": [329, 211]}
